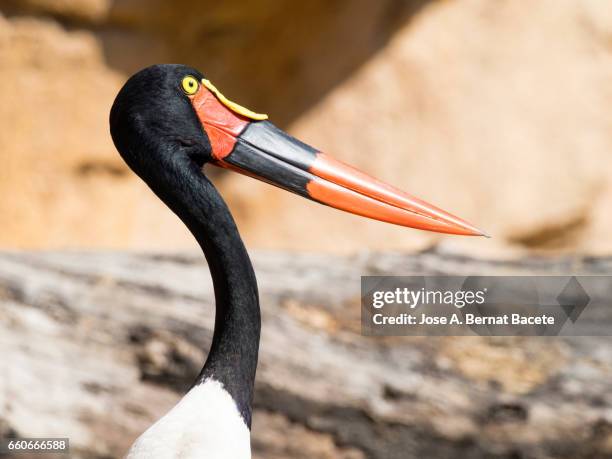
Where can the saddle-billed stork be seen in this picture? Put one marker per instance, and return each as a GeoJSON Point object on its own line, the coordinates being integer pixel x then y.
{"type": "Point", "coordinates": [167, 122]}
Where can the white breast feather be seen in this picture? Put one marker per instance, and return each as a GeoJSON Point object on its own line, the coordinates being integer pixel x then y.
{"type": "Point", "coordinates": [204, 424]}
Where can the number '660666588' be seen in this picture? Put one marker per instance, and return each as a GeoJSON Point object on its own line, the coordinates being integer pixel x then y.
{"type": "Point", "coordinates": [36, 445]}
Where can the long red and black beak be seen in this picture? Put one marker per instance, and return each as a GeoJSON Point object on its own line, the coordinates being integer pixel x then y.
{"type": "Point", "coordinates": [246, 142]}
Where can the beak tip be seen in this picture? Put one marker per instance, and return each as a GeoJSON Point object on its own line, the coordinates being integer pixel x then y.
{"type": "Point", "coordinates": [468, 229]}
{"type": "Point", "coordinates": [479, 232]}
{"type": "Point", "coordinates": [462, 227]}
{"type": "Point", "coordinates": [483, 233]}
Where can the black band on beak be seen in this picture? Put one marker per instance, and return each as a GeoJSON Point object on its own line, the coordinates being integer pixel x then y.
{"type": "Point", "coordinates": [257, 153]}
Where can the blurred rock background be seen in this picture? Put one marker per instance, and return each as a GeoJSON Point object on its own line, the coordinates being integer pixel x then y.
{"type": "Point", "coordinates": [96, 346]}
{"type": "Point", "coordinates": [500, 112]}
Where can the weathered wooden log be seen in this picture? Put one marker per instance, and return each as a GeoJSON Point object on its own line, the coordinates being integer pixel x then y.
{"type": "Point", "coordinates": [95, 346]}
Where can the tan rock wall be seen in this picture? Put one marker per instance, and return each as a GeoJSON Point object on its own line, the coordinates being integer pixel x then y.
{"type": "Point", "coordinates": [493, 110]}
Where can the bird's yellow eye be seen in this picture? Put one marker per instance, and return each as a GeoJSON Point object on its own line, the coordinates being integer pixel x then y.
{"type": "Point", "coordinates": [190, 85]}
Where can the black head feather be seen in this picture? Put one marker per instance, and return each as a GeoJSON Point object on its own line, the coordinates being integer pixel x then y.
{"type": "Point", "coordinates": [152, 115]}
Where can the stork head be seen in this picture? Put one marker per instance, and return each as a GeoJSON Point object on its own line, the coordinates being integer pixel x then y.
{"type": "Point", "coordinates": [169, 114]}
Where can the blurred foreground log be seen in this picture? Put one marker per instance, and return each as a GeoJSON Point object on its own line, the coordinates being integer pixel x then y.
{"type": "Point", "coordinates": [95, 346]}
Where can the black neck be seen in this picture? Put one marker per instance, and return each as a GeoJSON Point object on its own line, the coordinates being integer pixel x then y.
{"type": "Point", "coordinates": [232, 359]}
